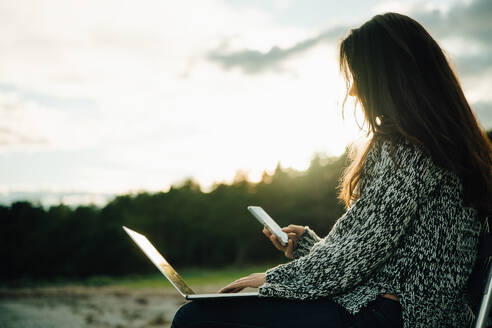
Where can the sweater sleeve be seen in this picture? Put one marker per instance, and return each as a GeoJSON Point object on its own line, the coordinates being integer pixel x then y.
{"type": "Point", "coordinates": [305, 242]}
{"type": "Point", "coordinates": [363, 238]}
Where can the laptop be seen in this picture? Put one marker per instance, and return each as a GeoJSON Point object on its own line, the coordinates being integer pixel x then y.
{"type": "Point", "coordinates": [174, 278]}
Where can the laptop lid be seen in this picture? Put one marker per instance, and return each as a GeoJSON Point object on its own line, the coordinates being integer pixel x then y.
{"type": "Point", "coordinates": [160, 262]}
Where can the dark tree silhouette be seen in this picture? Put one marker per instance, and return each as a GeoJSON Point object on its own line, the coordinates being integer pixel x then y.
{"type": "Point", "coordinates": [188, 226]}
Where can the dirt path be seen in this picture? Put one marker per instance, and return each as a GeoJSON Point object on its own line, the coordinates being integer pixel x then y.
{"type": "Point", "coordinates": [87, 307]}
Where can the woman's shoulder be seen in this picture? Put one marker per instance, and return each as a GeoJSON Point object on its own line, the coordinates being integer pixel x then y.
{"type": "Point", "coordinates": [403, 154]}
{"type": "Point", "coordinates": [400, 152]}
{"type": "Point", "coordinates": [407, 156]}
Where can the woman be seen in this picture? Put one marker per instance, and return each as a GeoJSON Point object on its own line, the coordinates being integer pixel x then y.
{"type": "Point", "coordinates": [402, 253]}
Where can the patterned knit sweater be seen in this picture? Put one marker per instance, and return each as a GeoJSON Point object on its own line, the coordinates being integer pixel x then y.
{"type": "Point", "coordinates": [408, 234]}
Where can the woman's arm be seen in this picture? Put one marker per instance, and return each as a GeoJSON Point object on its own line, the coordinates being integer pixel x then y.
{"type": "Point", "coordinates": [305, 242]}
{"type": "Point", "coordinates": [364, 237]}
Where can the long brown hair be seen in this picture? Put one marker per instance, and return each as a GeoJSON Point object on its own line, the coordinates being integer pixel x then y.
{"type": "Point", "coordinates": [407, 88]}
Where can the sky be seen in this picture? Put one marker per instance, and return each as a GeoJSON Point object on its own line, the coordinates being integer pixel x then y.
{"type": "Point", "coordinates": [109, 97]}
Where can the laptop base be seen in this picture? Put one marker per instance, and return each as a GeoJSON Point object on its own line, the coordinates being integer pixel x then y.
{"type": "Point", "coordinates": [220, 295]}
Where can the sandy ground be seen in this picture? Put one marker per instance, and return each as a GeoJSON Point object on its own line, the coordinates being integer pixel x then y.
{"type": "Point", "coordinates": [87, 307]}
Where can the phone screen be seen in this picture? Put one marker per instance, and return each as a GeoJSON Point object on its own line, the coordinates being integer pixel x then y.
{"type": "Point", "coordinates": [267, 221]}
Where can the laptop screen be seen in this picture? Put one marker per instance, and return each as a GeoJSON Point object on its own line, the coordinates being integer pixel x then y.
{"type": "Point", "coordinates": [160, 262]}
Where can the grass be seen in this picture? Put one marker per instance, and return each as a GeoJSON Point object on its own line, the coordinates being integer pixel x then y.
{"type": "Point", "coordinates": [195, 277]}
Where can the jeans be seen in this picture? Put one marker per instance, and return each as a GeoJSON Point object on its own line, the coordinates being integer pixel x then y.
{"type": "Point", "coordinates": [382, 312]}
{"type": "Point", "coordinates": [256, 312]}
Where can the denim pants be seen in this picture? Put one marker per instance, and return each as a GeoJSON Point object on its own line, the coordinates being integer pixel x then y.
{"type": "Point", "coordinates": [256, 312]}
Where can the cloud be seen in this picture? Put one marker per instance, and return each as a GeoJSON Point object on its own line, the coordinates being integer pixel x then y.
{"type": "Point", "coordinates": [465, 30]}
{"type": "Point", "coordinates": [9, 137]}
{"type": "Point", "coordinates": [254, 61]}
{"type": "Point", "coordinates": [474, 65]}
{"type": "Point", "coordinates": [103, 92]}
{"type": "Point", "coordinates": [28, 124]}
{"type": "Point", "coordinates": [466, 20]}
{"type": "Point", "coordinates": [69, 68]}
{"type": "Point", "coordinates": [469, 23]}
{"type": "Point", "coordinates": [484, 112]}
{"type": "Point", "coordinates": [138, 98]}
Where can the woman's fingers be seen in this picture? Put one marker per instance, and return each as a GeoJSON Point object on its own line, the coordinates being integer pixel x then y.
{"type": "Point", "coordinates": [231, 290]}
{"type": "Point", "coordinates": [253, 280]}
{"type": "Point", "coordinates": [276, 243]}
{"type": "Point", "coordinates": [298, 230]}
{"type": "Point", "coordinates": [273, 239]}
{"type": "Point", "coordinates": [293, 232]}
{"type": "Point", "coordinates": [233, 287]}
{"type": "Point", "coordinates": [290, 248]}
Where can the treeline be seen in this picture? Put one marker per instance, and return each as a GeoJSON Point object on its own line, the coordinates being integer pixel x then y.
{"type": "Point", "coordinates": [190, 227]}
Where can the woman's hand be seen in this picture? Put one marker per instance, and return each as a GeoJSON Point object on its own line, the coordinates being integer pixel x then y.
{"type": "Point", "coordinates": [254, 280]}
{"type": "Point", "coordinates": [292, 231]}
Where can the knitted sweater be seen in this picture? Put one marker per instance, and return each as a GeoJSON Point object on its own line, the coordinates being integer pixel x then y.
{"type": "Point", "coordinates": [408, 234]}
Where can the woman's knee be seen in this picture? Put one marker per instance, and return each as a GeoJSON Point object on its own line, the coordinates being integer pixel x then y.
{"type": "Point", "coordinates": [183, 315]}
{"type": "Point", "coordinates": [191, 312]}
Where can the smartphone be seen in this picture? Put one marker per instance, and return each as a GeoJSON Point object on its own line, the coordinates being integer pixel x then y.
{"type": "Point", "coordinates": [271, 225]}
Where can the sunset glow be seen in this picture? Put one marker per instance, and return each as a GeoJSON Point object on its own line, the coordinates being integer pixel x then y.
{"type": "Point", "coordinates": [156, 92]}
